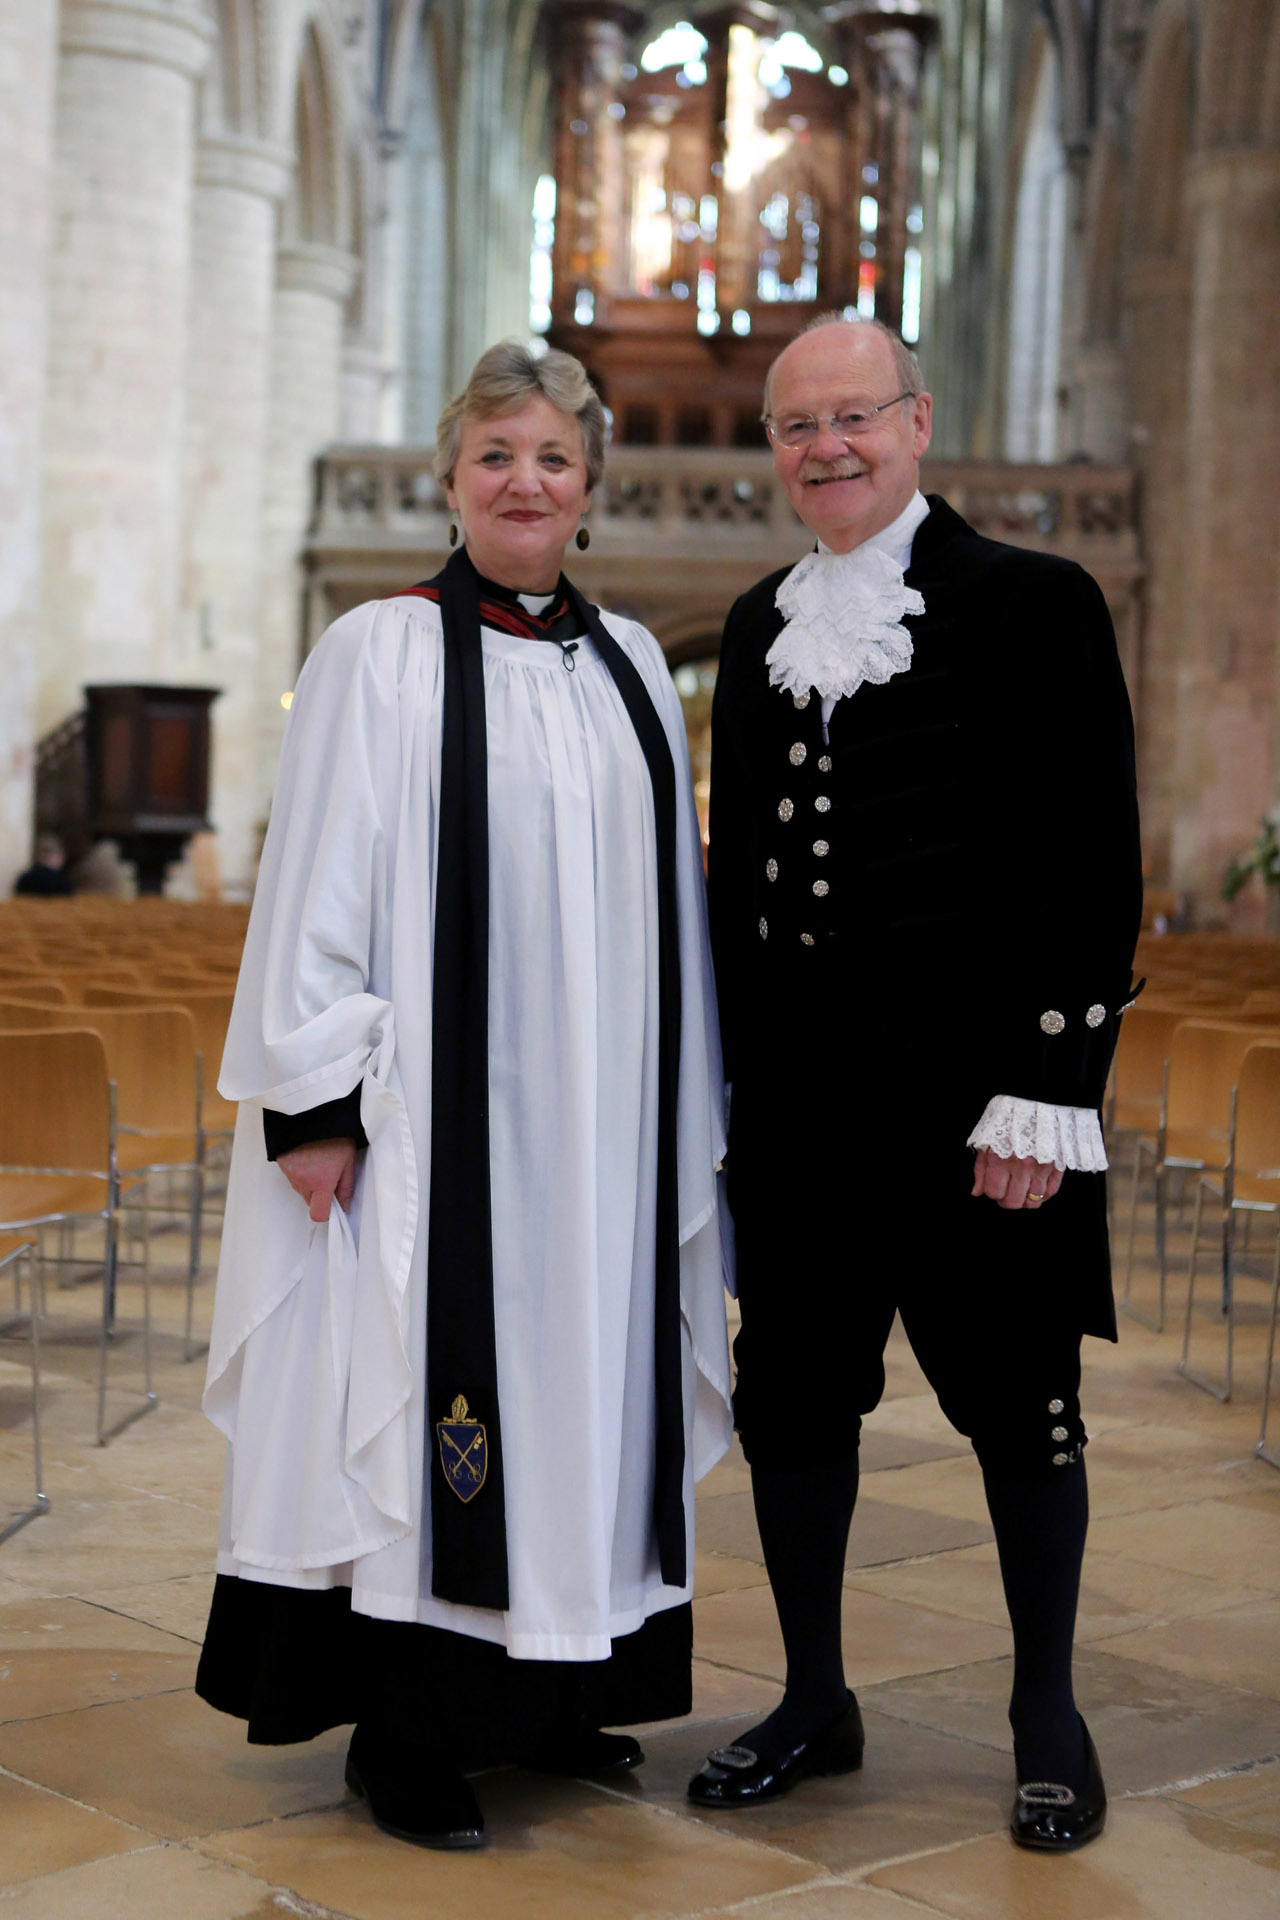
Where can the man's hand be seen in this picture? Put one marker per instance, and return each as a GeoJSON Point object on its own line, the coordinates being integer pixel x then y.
{"type": "Point", "coordinates": [322, 1171]}
{"type": "Point", "coordinates": [1014, 1184]}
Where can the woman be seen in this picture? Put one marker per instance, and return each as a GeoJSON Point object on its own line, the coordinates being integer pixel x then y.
{"type": "Point", "coordinates": [468, 1343]}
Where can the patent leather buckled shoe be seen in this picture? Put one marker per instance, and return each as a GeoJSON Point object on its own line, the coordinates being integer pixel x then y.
{"type": "Point", "coordinates": [413, 1797]}
{"type": "Point", "coordinates": [740, 1777]}
{"type": "Point", "coordinates": [1053, 1818]}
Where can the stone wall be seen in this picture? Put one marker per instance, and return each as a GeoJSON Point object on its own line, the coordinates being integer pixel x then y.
{"type": "Point", "coordinates": [28, 46]}
{"type": "Point", "coordinates": [1172, 361]}
{"type": "Point", "coordinates": [221, 254]}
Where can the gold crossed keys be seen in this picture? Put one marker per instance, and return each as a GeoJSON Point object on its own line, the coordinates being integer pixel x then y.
{"type": "Point", "coordinates": [464, 1450]}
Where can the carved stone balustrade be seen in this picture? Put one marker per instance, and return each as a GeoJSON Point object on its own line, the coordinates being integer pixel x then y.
{"type": "Point", "coordinates": [678, 533]}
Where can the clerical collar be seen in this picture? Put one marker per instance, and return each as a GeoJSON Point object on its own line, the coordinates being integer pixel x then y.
{"type": "Point", "coordinates": [844, 614]}
{"type": "Point", "coordinates": [529, 616]}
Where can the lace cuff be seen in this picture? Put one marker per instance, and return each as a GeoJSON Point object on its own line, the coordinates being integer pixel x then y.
{"type": "Point", "coordinates": [1070, 1137]}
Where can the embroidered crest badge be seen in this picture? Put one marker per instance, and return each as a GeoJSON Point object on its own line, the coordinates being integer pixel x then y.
{"type": "Point", "coordinates": [464, 1451]}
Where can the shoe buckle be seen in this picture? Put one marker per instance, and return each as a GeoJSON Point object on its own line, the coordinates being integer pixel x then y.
{"type": "Point", "coordinates": [736, 1759]}
{"type": "Point", "coordinates": [1046, 1793]}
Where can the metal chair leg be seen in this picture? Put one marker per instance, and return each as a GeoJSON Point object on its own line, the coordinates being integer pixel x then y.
{"type": "Point", "coordinates": [149, 1400]}
{"type": "Point", "coordinates": [1262, 1450]}
{"type": "Point", "coordinates": [1201, 1380]}
{"type": "Point", "coordinates": [40, 1503]}
{"type": "Point", "coordinates": [1162, 1240]}
{"type": "Point", "coordinates": [1127, 1303]}
{"type": "Point", "coordinates": [190, 1351]}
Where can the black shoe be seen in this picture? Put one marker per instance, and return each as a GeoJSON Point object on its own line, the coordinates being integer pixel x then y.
{"type": "Point", "coordinates": [1053, 1817]}
{"type": "Point", "coordinates": [740, 1777]}
{"type": "Point", "coordinates": [585, 1751]}
{"type": "Point", "coordinates": [413, 1796]}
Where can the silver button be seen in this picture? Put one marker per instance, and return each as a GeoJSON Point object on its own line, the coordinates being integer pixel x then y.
{"type": "Point", "coordinates": [785, 809]}
{"type": "Point", "coordinates": [770, 869]}
{"type": "Point", "coordinates": [764, 928]}
{"type": "Point", "coordinates": [824, 763]}
{"type": "Point", "coordinates": [821, 848]}
{"type": "Point", "coordinates": [1051, 1022]}
{"type": "Point", "coordinates": [800, 701]}
{"type": "Point", "coordinates": [808, 939]}
{"type": "Point", "coordinates": [821, 889]}
{"type": "Point", "coordinates": [822, 803]}
{"type": "Point", "coordinates": [1055, 1406]}
{"type": "Point", "coordinates": [798, 754]}
{"type": "Point", "coordinates": [1095, 1016]}
{"type": "Point", "coordinates": [1059, 1433]}
{"type": "Point", "coordinates": [1061, 1459]}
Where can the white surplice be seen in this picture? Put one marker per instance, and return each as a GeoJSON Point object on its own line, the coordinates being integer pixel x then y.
{"type": "Point", "coordinates": [318, 1355]}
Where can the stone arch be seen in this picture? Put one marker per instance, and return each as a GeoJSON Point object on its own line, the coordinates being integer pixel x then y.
{"type": "Point", "coordinates": [1162, 137]}
{"type": "Point", "coordinates": [235, 91]}
{"type": "Point", "coordinates": [1070, 36]}
{"type": "Point", "coordinates": [408, 23]}
{"type": "Point", "coordinates": [1269, 98]}
{"type": "Point", "coordinates": [686, 632]}
{"type": "Point", "coordinates": [319, 209]}
{"type": "Point", "coordinates": [1034, 244]}
{"type": "Point", "coordinates": [1234, 35]}
{"type": "Point", "coordinates": [1103, 240]}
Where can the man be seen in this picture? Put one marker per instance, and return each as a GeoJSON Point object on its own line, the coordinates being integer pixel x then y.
{"type": "Point", "coordinates": [925, 895]}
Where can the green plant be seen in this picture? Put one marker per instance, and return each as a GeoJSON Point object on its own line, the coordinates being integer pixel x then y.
{"type": "Point", "coordinates": [1263, 857]}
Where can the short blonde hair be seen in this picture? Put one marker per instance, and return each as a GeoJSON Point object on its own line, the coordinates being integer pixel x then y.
{"type": "Point", "coordinates": [503, 380]}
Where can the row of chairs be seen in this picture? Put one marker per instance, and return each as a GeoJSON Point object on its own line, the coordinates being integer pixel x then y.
{"type": "Point", "coordinates": [1199, 1100]}
{"type": "Point", "coordinates": [109, 1041]}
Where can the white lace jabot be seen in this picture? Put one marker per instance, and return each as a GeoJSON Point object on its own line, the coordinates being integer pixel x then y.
{"type": "Point", "coordinates": [844, 614]}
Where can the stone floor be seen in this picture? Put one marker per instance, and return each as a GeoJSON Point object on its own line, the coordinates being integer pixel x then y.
{"type": "Point", "coordinates": [122, 1794]}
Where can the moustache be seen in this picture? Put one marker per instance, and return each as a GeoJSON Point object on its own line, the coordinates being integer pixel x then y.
{"type": "Point", "coordinates": [831, 470]}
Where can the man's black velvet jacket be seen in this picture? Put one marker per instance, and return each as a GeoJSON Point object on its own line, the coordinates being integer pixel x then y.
{"type": "Point", "coordinates": [979, 841]}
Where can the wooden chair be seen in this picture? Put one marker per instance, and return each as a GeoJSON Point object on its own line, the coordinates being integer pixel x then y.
{"type": "Point", "coordinates": [1247, 1184]}
{"type": "Point", "coordinates": [1136, 1106]}
{"type": "Point", "coordinates": [40, 991]}
{"type": "Point", "coordinates": [18, 1250]}
{"type": "Point", "coordinates": [154, 1061]}
{"type": "Point", "coordinates": [210, 1008]}
{"type": "Point", "coordinates": [1195, 1123]}
{"type": "Point", "coordinates": [58, 1163]}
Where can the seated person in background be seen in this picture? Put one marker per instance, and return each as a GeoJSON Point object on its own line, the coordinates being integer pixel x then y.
{"type": "Point", "coordinates": [47, 873]}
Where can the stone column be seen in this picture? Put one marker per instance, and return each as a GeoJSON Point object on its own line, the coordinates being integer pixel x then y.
{"type": "Point", "coordinates": [28, 52]}
{"type": "Point", "coordinates": [1158, 305]}
{"type": "Point", "coordinates": [118, 322]}
{"type": "Point", "coordinates": [312, 285]}
{"type": "Point", "coordinates": [1226, 760]}
{"type": "Point", "coordinates": [589, 255]}
{"type": "Point", "coordinates": [239, 184]}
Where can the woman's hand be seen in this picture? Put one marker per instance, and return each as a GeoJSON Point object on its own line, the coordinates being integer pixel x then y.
{"type": "Point", "coordinates": [1014, 1184]}
{"type": "Point", "coordinates": [322, 1171]}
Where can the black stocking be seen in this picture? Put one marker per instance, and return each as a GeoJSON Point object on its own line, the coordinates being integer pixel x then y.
{"type": "Point", "coordinates": [1040, 1525]}
{"type": "Point", "coordinates": [804, 1529]}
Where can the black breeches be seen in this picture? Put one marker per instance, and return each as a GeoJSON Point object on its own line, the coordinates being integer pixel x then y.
{"type": "Point", "coordinates": [835, 1235]}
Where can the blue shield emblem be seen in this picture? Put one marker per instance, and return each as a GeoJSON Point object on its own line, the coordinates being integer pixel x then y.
{"type": "Point", "coordinates": [464, 1451]}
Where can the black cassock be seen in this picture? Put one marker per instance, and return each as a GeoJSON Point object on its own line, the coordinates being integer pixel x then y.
{"type": "Point", "coordinates": [936, 905]}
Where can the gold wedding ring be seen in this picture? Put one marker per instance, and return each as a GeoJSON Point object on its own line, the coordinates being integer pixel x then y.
{"type": "Point", "coordinates": [1035, 1196]}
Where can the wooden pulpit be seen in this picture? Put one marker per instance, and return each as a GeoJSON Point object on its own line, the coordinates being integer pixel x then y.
{"type": "Point", "coordinates": [147, 765]}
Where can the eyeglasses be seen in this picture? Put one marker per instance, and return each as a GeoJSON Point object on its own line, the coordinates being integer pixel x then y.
{"type": "Point", "coordinates": [856, 417]}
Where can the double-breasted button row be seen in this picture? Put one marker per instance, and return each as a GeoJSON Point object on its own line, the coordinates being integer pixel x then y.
{"type": "Point", "coordinates": [1052, 1022]}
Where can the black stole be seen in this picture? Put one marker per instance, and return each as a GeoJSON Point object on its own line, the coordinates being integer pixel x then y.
{"type": "Point", "coordinates": [468, 1540]}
